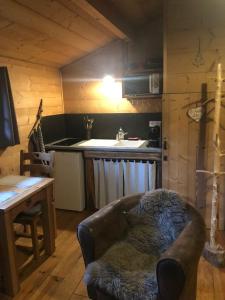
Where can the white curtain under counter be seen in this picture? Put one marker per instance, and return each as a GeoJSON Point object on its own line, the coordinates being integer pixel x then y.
{"type": "Point", "coordinates": [138, 176]}
{"type": "Point", "coordinates": [116, 178]}
{"type": "Point", "coordinates": [112, 175]}
{"type": "Point", "coordinates": [108, 181]}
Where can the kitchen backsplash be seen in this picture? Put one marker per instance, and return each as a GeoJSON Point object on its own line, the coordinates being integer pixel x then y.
{"type": "Point", "coordinates": [105, 125]}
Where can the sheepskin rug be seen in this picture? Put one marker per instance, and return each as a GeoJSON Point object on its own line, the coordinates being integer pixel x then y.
{"type": "Point", "coordinates": [127, 270]}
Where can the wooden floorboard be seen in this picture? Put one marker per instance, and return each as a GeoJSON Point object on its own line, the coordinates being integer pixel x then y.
{"type": "Point", "coordinates": [60, 276]}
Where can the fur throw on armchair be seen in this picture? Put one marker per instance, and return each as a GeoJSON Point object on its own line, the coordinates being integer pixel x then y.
{"type": "Point", "coordinates": [127, 270]}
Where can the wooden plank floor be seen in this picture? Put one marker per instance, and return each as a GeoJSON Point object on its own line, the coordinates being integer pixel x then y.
{"type": "Point", "coordinates": [60, 276]}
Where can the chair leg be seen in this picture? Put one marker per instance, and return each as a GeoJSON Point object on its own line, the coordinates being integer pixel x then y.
{"type": "Point", "coordinates": [26, 228]}
{"type": "Point", "coordinates": [34, 236]}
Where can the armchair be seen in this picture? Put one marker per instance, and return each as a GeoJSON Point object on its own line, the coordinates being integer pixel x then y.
{"type": "Point", "coordinates": [142, 247]}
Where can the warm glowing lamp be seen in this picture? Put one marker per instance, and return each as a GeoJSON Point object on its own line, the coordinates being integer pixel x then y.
{"type": "Point", "coordinates": [111, 89]}
{"type": "Point", "coordinates": [108, 82]}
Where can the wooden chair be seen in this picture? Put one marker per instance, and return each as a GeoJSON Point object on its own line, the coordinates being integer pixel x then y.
{"type": "Point", "coordinates": [36, 164]}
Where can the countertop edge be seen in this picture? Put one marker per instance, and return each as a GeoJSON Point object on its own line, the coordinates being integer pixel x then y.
{"type": "Point", "coordinates": [108, 149]}
{"type": "Point", "coordinates": [77, 147]}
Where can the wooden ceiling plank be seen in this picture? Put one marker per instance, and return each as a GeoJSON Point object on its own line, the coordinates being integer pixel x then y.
{"type": "Point", "coordinates": [24, 51]}
{"type": "Point", "coordinates": [100, 18]}
{"type": "Point", "coordinates": [49, 44]}
{"type": "Point", "coordinates": [9, 54]}
{"type": "Point", "coordinates": [38, 39]}
{"type": "Point", "coordinates": [90, 19]}
{"type": "Point", "coordinates": [19, 39]}
{"type": "Point", "coordinates": [60, 31]}
{"type": "Point", "coordinates": [22, 15]}
{"type": "Point", "coordinates": [4, 23]}
{"type": "Point", "coordinates": [20, 34]}
{"type": "Point", "coordinates": [13, 32]}
{"type": "Point", "coordinates": [70, 20]}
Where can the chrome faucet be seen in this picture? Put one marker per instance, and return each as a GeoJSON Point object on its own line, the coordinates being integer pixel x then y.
{"type": "Point", "coordinates": [120, 134]}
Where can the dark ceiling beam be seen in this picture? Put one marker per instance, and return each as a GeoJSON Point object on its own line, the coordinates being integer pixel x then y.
{"type": "Point", "coordinates": [109, 11]}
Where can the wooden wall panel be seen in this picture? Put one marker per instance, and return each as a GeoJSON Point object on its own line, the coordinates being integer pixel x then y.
{"type": "Point", "coordinates": [194, 44]}
{"type": "Point", "coordinates": [82, 84]}
{"type": "Point", "coordinates": [29, 83]}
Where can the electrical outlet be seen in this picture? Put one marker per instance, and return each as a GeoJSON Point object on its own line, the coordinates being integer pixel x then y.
{"type": "Point", "coordinates": [154, 123]}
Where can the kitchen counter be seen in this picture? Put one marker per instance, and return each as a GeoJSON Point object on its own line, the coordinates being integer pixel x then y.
{"type": "Point", "coordinates": [104, 149]}
{"type": "Point", "coordinates": [109, 148]}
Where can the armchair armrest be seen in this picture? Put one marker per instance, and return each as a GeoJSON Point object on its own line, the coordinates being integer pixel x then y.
{"type": "Point", "coordinates": [99, 231]}
{"type": "Point", "coordinates": [177, 268]}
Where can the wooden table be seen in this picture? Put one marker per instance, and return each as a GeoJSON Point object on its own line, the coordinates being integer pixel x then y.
{"type": "Point", "coordinates": [17, 194]}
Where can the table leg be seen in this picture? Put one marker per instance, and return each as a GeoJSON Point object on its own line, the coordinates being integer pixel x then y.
{"type": "Point", "coordinates": [53, 210]}
{"type": "Point", "coordinates": [90, 184]}
{"type": "Point", "coordinates": [8, 257]}
{"type": "Point", "coordinates": [48, 222]}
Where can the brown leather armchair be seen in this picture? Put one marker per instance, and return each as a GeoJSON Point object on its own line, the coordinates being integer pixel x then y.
{"type": "Point", "coordinates": [176, 267]}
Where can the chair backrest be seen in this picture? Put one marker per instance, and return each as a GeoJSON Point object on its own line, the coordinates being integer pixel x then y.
{"type": "Point", "coordinates": [37, 163]}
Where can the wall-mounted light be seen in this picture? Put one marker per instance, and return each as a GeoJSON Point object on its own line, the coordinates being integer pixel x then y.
{"type": "Point", "coordinates": [108, 82]}
{"type": "Point", "coordinates": [111, 89]}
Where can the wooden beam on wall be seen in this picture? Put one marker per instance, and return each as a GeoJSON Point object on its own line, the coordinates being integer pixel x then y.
{"type": "Point", "coordinates": [201, 184]}
{"type": "Point", "coordinates": [107, 16]}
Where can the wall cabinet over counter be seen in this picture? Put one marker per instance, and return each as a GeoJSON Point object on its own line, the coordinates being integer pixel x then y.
{"type": "Point", "coordinates": [112, 175]}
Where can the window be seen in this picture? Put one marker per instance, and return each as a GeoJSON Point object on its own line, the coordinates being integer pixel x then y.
{"type": "Point", "coordinates": [9, 135]}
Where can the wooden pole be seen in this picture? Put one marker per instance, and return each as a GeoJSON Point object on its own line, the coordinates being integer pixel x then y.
{"type": "Point", "coordinates": [216, 159]}
{"type": "Point", "coordinates": [200, 160]}
{"type": "Point", "coordinates": [214, 252]}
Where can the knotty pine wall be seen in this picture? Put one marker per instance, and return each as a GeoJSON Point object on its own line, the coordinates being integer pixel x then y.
{"type": "Point", "coordinates": [29, 83]}
{"type": "Point", "coordinates": [82, 80]}
{"type": "Point", "coordinates": [193, 45]}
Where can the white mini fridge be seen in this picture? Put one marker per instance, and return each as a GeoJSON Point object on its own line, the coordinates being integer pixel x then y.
{"type": "Point", "coordinates": [69, 181]}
